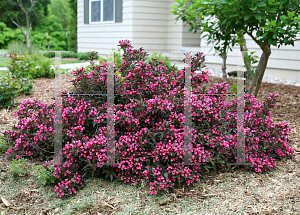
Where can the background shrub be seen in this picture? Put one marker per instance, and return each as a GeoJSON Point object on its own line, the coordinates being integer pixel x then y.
{"type": "Point", "coordinates": [86, 56]}
{"type": "Point", "coordinates": [30, 66]}
{"type": "Point", "coordinates": [159, 57]}
{"type": "Point", "coordinates": [63, 54]}
{"type": "Point", "coordinates": [7, 35]}
{"type": "Point", "coordinates": [49, 54]}
{"type": "Point", "coordinates": [10, 87]}
{"type": "Point", "coordinates": [56, 33]}
{"type": "Point", "coordinates": [69, 55]}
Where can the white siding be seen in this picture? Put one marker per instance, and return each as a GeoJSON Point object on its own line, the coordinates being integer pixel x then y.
{"type": "Point", "coordinates": [283, 63]}
{"type": "Point", "coordinates": [149, 25]}
{"type": "Point", "coordinates": [178, 37]}
{"type": "Point", "coordinates": [146, 23]}
{"type": "Point", "coordinates": [104, 37]}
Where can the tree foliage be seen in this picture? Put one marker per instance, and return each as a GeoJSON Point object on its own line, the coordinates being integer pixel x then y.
{"type": "Point", "coordinates": [55, 17]}
{"type": "Point", "coordinates": [267, 22]}
{"type": "Point", "coordinates": [61, 10]}
{"type": "Point", "coordinates": [72, 28]}
{"type": "Point", "coordinates": [11, 7]}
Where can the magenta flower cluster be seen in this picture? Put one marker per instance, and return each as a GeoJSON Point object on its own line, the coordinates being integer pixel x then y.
{"type": "Point", "coordinates": [149, 133]}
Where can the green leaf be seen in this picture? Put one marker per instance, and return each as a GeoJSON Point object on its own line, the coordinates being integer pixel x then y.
{"type": "Point", "coordinates": [275, 3]}
{"type": "Point", "coordinates": [253, 8]}
{"type": "Point", "coordinates": [272, 10]}
{"type": "Point", "coordinates": [258, 17]}
{"type": "Point", "coordinates": [258, 33]}
{"type": "Point", "coordinates": [282, 30]}
{"type": "Point", "coordinates": [291, 14]}
{"type": "Point", "coordinates": [191, 29]}
{"type": "Point", "coordinates": [247, 17]}
{"type": "Point", "coordinates": [283, 17]}
{"type": "Point", "coordinates": [261, 4]}
{"type": "Point", "coordinates": [269, 41]}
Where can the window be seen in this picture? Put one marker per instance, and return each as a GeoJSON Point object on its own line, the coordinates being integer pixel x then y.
{"type": "Point", "coordinates": [95, 11]}
{"type": "Point", "coordinates": [102, 11]}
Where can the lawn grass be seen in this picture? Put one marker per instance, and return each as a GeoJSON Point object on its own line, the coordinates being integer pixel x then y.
{"type": "Point", "coordinates": [3, 61]}
{"type": "Point", "coordinates": [67, 62]}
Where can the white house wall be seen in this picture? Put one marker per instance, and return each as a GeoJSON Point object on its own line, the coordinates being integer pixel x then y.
{"type": "Point", "coordinates": [283, 63]}
{"type": "Point", "coordinates": [103, 37]}
{"type": "Point", "coordinates": [147, 23]}
{"type": "Point", "coordinates": [178, 37]}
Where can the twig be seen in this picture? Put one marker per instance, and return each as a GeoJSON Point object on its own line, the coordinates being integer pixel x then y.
{"type": "Point", "coordinates": [46, 210]}
{"type": "Point", "coordinates": [207, 195]}
{"type": "Point", "coordinates": [109, 205]}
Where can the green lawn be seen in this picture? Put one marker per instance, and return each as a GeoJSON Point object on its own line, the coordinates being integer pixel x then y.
{"type": "Point", "coordinates": [3, 50]}
{"type": "Point", "coordinates": [67, 62]}
{"type": "Point", "coordinates": [3, 62]}
{"type": "Point", "coordinates": [63, 71]}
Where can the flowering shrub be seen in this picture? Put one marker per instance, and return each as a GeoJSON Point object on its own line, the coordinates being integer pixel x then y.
{"type": "Point", "coordinates": [149, 136]}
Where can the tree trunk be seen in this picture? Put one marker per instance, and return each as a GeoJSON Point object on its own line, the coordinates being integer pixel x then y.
{"type": "Point", "coordinates": [28, 32]}
{"type": "Point", "coordinates": [223, 55]}
{"type": "Point", "coordinates": [248, 68]}
{"type": "Point", "coordinates": [28, 25]}
{"type": "Point", "coordinates": [267, 51]}
{"type": "Point", "coordinates": [28, 40]}
{"type": "Point", "coordinates": [260, 70]}
{"type": "Point", "coordinates": [245, 55]}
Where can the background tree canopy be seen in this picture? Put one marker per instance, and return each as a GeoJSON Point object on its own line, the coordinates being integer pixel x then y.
{"type": "Point", "coordinates": [57, 17]}
{"type": "Point", "coordinates": [39, 11]}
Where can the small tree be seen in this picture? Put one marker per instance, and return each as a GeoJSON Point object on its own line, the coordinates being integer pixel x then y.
{"type": "Point", "coordinates": [28, 24]}
{"type": "Point", "coordinates": [267, 22]}
{"type": "Point", "coordinates": [218, 34]}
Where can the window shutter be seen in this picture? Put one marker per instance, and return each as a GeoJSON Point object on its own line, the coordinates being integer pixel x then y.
{"type": "Point", "coordinates": [86, 15]}
{"type": "Point", "coordinates": [118, 10]}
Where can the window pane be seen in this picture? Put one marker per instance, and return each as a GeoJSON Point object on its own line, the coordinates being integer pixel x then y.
{"type": "Point", "coordinates": [95, 11]}
{"type": "Point", "coordinates": [108, 10]}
